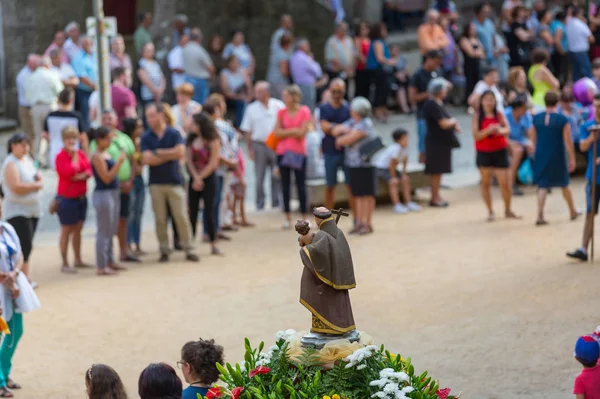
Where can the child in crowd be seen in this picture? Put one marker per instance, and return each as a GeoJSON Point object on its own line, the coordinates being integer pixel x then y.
{"type": "Point", "coordinates": [238, 192]}
{"type": "Point", "coordinates": [399, 78]}
{"type": "Point", "coordinates": [102, 381]}
{"type": "Point", "coordinates": [387, 162]}
{"type": "Point", "coordinates": [587, 383]}
{"type": "Point", "coordinates": [198, 364]}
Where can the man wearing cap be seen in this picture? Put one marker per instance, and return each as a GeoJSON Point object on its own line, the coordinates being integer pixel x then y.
{"type": "Point", "coordinates": [328, 275]}
{"type": "Point", "coordinates": [417, 93]}
{"type": "Point", "coordinates": [587, 383]}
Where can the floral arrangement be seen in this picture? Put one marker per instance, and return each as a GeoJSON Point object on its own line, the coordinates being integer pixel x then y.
{"type": "Point", "coordinates": [288, 371]}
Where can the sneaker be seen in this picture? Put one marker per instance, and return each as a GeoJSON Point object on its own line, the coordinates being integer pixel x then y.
{"type": "Point", "coordinates": [413, 207]}
{"type": "Point", "coordinates": [400, 209]}
{"type": "Point", "coordinates": [578, 254]}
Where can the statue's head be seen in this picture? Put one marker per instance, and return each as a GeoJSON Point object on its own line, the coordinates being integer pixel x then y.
{"type": "Point", "coordinates": [321, 213]}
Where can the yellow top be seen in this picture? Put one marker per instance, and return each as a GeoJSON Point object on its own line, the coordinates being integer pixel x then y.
{"type": "Point", "coordinates": [540, 88]}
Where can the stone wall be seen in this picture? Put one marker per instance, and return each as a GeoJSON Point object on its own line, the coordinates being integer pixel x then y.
{"type": "Point", "coordinates": [29, 24]}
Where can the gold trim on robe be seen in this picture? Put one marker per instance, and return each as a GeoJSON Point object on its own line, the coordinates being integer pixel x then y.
{"type": "Point", "coordinates": [333, 328]}
{"type": "Point", "coordinates": [323, 279]}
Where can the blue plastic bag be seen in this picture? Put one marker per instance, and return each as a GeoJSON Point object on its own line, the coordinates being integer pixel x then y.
{"type": "Point", "coordinates": [525, 173]}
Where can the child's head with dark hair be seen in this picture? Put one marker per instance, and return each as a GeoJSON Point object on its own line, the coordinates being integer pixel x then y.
{"type": "Point", "coordinates": [101, 136]}
{"type": "Point", "coordinates": [103, 382]}
{"type": "Point", "coordinates": [587, 351]}
{"type": "Point", "coordinates": [551, 98]}
{"type": "Point", "coordinates": [159, 381]}
{"type": "Point", "coordinates": [199, 360]}
{"type": "Point", "coordinates": [133, 127]}
{"type": "Point", "coordinates": [400, 136]}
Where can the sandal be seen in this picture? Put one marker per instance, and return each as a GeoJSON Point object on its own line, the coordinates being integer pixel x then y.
{"type": "Point", "coordinates": [576, 215]}
{"type": "Point", "coordinates": [117, 267]}
{"type": "Point", "coordinates": [216, 251]}
{"type": "Point", "coordinates": [6, 393]}
{"type": "Point", "coordinates": [10, 384]}
{"type": "Point", "coordinates": [107, 271]}
{"type": "Point", "coordinates": [441, 204]}
{"type": "Point", "coordinates": [67, 270]}
{"type": "Point", "coordinates": [541, 222]}
{"type": "Point", "coordinates": [512, 215]}
{"type": "Point", "coordinates": [491, 217]}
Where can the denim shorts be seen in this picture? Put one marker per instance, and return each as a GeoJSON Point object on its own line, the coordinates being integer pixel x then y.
{"type": "Point", "coordinates": [72, 210]}
{"type": "Point", "coordinates": [333, 163]}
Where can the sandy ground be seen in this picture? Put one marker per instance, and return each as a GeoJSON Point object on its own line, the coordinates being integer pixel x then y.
{"type": "Point", "coordinates": [492, 310]}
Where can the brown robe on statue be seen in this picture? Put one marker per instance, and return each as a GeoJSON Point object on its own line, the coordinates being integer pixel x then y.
{"type": "Point", "coordinates": [328, 275]}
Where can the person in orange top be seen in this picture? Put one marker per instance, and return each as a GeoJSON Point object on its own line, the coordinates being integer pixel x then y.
{"type": "Point", "coordinates": [431, 35]}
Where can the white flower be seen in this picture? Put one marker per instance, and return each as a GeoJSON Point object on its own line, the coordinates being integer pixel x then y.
{"type": "Point", "coordinates": [379, 383]}
{"type": "Point", "coordinates": [379, 395]}
{"type": "Point", "coordinates": [399, 395]}
{"type": "Point", "coordinates": [361, 366]}
{"type": "Point", "coordinates": [391, 388]}
{"type": "Point", "coordinates": [285, 335]}
{"type": "Point", "coordinates": [359, 355]}
{"type": "Point", "coordinates": [408, 389]}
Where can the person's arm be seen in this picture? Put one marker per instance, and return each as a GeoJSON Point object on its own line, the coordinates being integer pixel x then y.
{"type": "Point", "coordinates": [225, 87]}
{"type": "Point", "coordinates": [172, 154]}
{"type": "Point", "coordinates": [145, 79]}
{"type": "Point", "coordinates": [213, 162]}
{"type": "Point", "coordinates": [358, 50]}
{"type": "Point", "coordinates": [380, 54]}
{"type": "Point", "coordinates": [441, 39]}
{"type": "Point", "coordinates": [248, 84]}
{"type": "Point", "coordinates": [448, 123]}
{"type": "Point", "coordinates": [478, 133]}
{"type": "Point", "coordinates": [73, 81]}
{"type": "Point", "coordinates": [190, 164]}
{"type": "Point", "coordinates": [163, 85]}
{"type": "Point", "coordinates": [545, 75]}
{"type": "Point", "coordinates": [151, 159]}
{"type": "Point", "coordinates": [284, 68]}
{"type": "Point", "coordinates": [532, 134]}
{"type": "Point", "coordinates": [105, 174]}
{"type": "Point", "coordinates": [568, 139]}
{"type": "Point", "coordinates": [558, 41]}
{"type": "Point", "coordinates": [503, 129]}
{"type": "Point", "coordinates": [13, 181]}
{"type": "Point", "coordinates": [290, 132]}
{"type": "Point", "coordinates": [523, 35]}
{"type": "Point", "coordinates": [580, 396]}
{"type": "Point", "coordinates": [473, 99]}
{"type": "Point", "coordinates": [415, 96]}
{"type": "Point", "coordinates": [547, 37]}
{"type": "Point", "coordinates": [65, 168]}
{"type": "Point", "coordinates": [88, 82]}
{"type": "Point", "coordinates": [350, 138]}
{"type": "Point", "coordinates": [466, 45]}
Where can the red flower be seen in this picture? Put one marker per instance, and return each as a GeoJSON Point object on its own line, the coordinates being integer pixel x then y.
{"type": "Point", "coordinates": [443, 393]}
{"type": "Point", "coordinates": [259, 370]}
{"type": "Point", "coordinates": [236, 392]}
{"type": "Point", "coordinates": [215, 392]}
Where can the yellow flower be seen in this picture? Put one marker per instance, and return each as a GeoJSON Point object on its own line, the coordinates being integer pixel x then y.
{"type": "Point", "coordinates": [336, 396]}
{"type": "Point", "coordinates": [326, 397]}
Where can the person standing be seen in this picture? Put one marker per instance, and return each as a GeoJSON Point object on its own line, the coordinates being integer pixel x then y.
{"type": "Point", "coordinates": [185, 108]}
{"type": "Point", "coordinates": [587, 139]}
{"type": "Point", "coordinates": [430, 34]}
{"type": "Point", "coordinates": [203, 153]}
{"type": "Point", "coordinates": [86, 67]}
{"type": "Point", "coordinates": [579, 37]}
{"type": "Point", "coordinates": [561, 46]}
{"type": "Point", "coordinates": [339, 54]}
{"type": "Point", "coordinates": [306, 73]}
{"type": "Point", "coordinates": [65, 71]}
{"type": "Point", "coordinates": [238, 48]}
{"type": "Point", "coordinates": [286, 25]}
{"type": "Point", "coordinates": [489, 82]}
{"type": "Point", "coordinates": [25, 118]}
{"type": "Point", "coordinates": [293, 123]}
{"type": "Point", "coordinates": [378, 59]}
{"type": "Point", "coordinates": [490, 130]}
{"type": "Point", "coordinates": [554, 155]}
{"type": "Point", "coordinates": [236, 86]}
{"type": "Point", "coordinates": [486, 33]}
{"type": "Point", "coordinates": [278, 73]}
{"type": "Point", "coordinates": [142, 34]}
{"type": "Point", "coordinates": [73, 170]}
{"type": "Point", "coordinates": [162, 150]}
{"type": "Point", "coordinates": [259, 121]}
{"type": "Point", "coordinates": [58, 42]}
{"type": "Point", "coordinates": [120, 59]}
{"type": "Point", "coordinates": [133, 128]}
{"type": "Point", "coordinates": [153, 83]}
{"type": "Point", "coordinates": [106, 200]}
{"type": "Point", "coordinates": [362, 43]}
{"type": "Point", "coordinates": [21, 184]}
{"type": "Point", "coordinates": [57, 120]}
{"type": "Point", "coordinates": [122, 97]}
{"type": "Point", "coordinates": [71, 46]}
{"type": "Point", "coordinates": [175, 62]}
{"type": "Point", "coordinates": [198, 66]}
{"type": "Point", "coordinates": [541, 78]}
{"type": "Point", "coordinates": [473, 54]}
{"type": "Point", "coordinates": [120, 143]}
{"type": "Point", "coordinates": [333, 112]}
{"type": "Point", "coordinates": [417, 93]}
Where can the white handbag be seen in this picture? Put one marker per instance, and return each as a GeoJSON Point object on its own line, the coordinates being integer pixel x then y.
{"type": "Point", "coordinates": [27, 299]}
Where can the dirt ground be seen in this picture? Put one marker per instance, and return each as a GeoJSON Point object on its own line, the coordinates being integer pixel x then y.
{"type": "Point", "coordinates": [492, 310]}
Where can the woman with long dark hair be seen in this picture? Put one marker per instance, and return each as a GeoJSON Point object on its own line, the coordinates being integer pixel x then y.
{"type": "Point", "coordinates": [103, 382]}
{"type": "Point", "coordinates": [473, 53]}
{"type": "Point", "coordinates": [490, 130]}
{"type": "Point", "coordinates": [159, 380]}
{"type": "Point", "coordinates": [202, 157]}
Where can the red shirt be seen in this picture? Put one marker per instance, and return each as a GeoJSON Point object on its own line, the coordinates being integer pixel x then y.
{"type": "Point", "coordinates": [66, 170]}
{"type": "Point", "coordinates": [493, 142]}
{"type": "Point", "coordinates": [122, 97]}
{"type": "Point", "coordinates": [364, 49]}
{"type": "Point", "coordinates": [587, 383]}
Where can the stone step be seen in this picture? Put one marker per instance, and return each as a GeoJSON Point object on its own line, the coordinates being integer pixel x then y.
{"type": "Point", "coordinates": [7, 124]}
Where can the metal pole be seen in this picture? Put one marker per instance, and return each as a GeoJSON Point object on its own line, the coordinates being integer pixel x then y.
{"type": "Point", "coordinates": [102, 57]}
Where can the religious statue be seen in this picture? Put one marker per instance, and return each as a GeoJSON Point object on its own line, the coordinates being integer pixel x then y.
{"type": "Point", "coordinates": [328, 275]}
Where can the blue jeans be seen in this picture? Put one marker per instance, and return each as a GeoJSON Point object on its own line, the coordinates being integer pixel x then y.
{"type": "Point", "coordinates": [422, 133]}
{"type": "Point", "coordinates": [216, 206]}
{"type": "Point", "coordinates": [240, 108]}
{"type": "Point", "coordinates": [201, 88]}
{"type": "Point", "coordinates": [138, 197]}
{"type": "Point", "coordinates": [582, 67]}
{"type": "Point", "coordinates": [82, 104]}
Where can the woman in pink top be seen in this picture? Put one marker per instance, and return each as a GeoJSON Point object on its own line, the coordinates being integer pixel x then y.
{"type": "Point", "coordinates": [293, 123]}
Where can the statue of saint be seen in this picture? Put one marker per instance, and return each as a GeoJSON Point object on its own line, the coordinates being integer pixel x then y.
{"type": "Point", "coordinates": [328, 274]}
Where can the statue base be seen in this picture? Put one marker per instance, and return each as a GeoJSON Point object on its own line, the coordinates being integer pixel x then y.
{"type": "Point", "coordinates": [318, 341]}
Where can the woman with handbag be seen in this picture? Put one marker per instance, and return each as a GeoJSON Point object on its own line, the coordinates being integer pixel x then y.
{"type": "Point", "coordinates": [73, 170]}
{"type": "Point", "coordinates": [357, 137]}
{"type": "Point", "coordinates": [16, 297]}
{"type": "Point", "coordinates": [21, 184]}
{"type": "Point", "coordinates": [293, 123]}
{"type": "Point", "coordinates": [490, 131]}
{"type": "Point", "coordinates": [441, 138]}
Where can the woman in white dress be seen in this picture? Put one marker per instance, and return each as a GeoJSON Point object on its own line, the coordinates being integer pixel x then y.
{"type": "Point", "coordinates": [16, 297]}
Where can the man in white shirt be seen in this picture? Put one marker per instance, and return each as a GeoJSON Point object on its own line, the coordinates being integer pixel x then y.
{"type": "Point", "coordinates": [65, 71]}
{"type": "Point", "coordinates": [25, 106]}
{"type": "Point", "coordinates": [386, 163]}
{"type": "Point", "coordinates": [488, 83]}
{"type": "Point", "coordinates": [41, 90]}
{"type": "Point", "coordinates": [579, 37]}
{"type": "Point", "coordinates": [259, 120]}
{"type": "Point", "coordinates": [175, 61]}
{"type": "Point", "coordinates": [71, 46]}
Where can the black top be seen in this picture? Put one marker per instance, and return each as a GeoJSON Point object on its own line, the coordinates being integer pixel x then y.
{"type": "Point", "coordinates": [517, 48]}
{"type": "Point", "coordinates": [100, 185]}
{"type": "Point", "coordinates": [420, 80]}
{"type": "Point", "coordinates": [56, 121]}
{"type": "Point", "coordinates": [434, 113]}
{"type": "Point", "coordinates": [168, 172]}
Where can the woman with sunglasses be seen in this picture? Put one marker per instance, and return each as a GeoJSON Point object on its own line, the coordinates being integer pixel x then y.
{"type": "Point", "coordinates": [21, 184]}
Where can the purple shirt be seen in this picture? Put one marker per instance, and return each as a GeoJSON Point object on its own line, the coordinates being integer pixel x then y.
{"type": "Point", "coordinates": [304, 70]}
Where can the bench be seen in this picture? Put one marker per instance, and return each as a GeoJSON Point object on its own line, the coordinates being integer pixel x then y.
{"type": "Point", "coordinates": [316, 187]}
